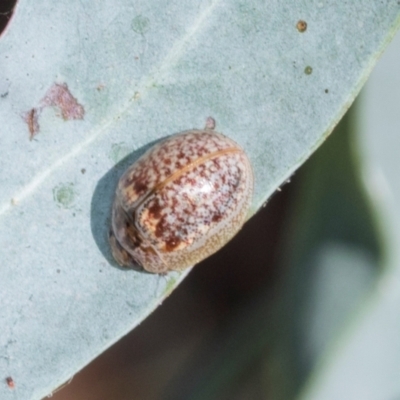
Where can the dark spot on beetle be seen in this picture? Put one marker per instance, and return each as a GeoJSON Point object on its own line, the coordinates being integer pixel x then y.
{"type": "Point", "coordinates": [4, 95]}
{"type": "Point", "coordinates": [308, 70]}
{"type": "Point", "coordinates": [167, 161]}
{"type": "Point", "coordinates": [326, 91]}
{"type": "Point", "coordinates": [202, 173]}
{"type": "Point", "coordinates": [301, 26]}
{"type": "Point", "coordinates": [139, 185]}
{"type": "Point", "coordinates": [58, 271]}
{"type": "Point", "coordinates": [155, 210]}
{"type": "Point", "coordinates": [160, 229]}
{"type": "Point", "coordinates": [172, 243]}
{"type": "Point", "coordinates": [217, 217]}
{"type": "Point", "coordinates": [10, 382]}
{"type": "Point", "coordinates": [83, 170]}
{"type": "Point", "coordinates": [167, 171]}
{"type": "Point", "coordinates": [191, 182]}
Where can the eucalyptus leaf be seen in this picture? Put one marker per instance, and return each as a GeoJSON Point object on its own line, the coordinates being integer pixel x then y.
{"type": "Point", "coordinates": [86, 87]}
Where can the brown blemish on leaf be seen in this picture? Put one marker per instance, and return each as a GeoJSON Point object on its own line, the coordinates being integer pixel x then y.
{"type": "Point", "coordinates": [60, 96]}
{"type": "Point", "coordinates": [31, 118]}
{"type": "Point", "coordinates": [210, 123]}
{"type": "Point", "coordinates": [57, 96]}
{"type": "Point", "coordinates": [301, 26]}
{"type": "Point", "coordinates": [10, 382]}
{"type": "Point", "coordinates": [308, 70]}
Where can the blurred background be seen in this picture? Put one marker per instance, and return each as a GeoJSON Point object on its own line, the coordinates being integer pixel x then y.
{"type": "Point", "coordinates": [6, 9]}
{"type": "Point", "coordinates": [262, 317]}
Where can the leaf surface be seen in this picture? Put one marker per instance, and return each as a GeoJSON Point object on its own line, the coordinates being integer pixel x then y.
{"type": "Point", "coordinates": [141, 71]}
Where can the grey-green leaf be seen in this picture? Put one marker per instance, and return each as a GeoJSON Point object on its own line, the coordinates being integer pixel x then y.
{"type": "Point", "coordinates": [89, 83]}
